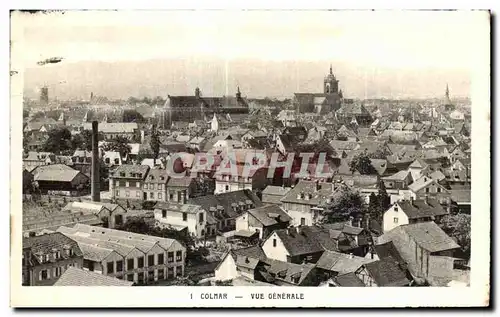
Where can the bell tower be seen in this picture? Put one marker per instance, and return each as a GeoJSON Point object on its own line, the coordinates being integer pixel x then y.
{"type": "Point", "coordinates": [331, 84]}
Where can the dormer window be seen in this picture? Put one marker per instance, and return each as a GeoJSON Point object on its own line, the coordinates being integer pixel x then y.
{"type": "Point", "coordinates": [122, 174]}
{"type": "Point", "coordinates": [151, 177]}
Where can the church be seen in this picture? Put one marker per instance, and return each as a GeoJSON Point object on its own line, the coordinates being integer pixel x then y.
{"type": "Point", "coordinates": [320, 103]}
{"type": "Point", "coordinates": [198, 107]}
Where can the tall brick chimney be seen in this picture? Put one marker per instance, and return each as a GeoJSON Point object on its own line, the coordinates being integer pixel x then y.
{"type": "Point", "coordinates": [95, 179]}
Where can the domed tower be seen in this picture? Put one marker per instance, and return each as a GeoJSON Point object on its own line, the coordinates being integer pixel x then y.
{"type": "Point", "coordinates": [331, 84]}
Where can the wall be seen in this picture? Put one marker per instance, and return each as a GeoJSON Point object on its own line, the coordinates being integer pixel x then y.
{"type": "Point", "coordinates": [118, 191]}
{"type": "Point", "coordinates": [226, 270]}
{"type": "Point", "coordinates": [277, 253]}
{"type": "Point", "coordinates": [63, 265]}
{"type": "Point", "coordinates": [394, 212]}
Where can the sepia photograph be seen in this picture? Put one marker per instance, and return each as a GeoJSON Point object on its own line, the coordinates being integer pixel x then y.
{"type": "Point", "coordinates": [208, 152]}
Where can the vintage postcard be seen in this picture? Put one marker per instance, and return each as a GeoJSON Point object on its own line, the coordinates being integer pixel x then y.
{"type": "Point", "coordinates": [250, 158]}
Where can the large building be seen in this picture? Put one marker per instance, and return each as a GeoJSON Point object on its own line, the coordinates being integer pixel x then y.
{"type": "Point", "coordinates": [320, 103]}
{"type": "Point", "coordinates": [197, 107]}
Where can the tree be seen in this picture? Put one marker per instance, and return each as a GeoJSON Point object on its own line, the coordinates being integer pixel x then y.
{"type": "Point", "coordinates": [155, 144]}
{"type": "Point", "coordinates": [132, 116]}
{"type": "Point", "coordinates": [380, 153]}
{"type": "Point", "coordinates": [384, 199]}
{"type": "Point", "coordinates": [347, 203]}
{"type": "Point", "coordinates": [119, 144]}
{"type": "Point", "coordinates": [26, 113]}
{"type": "Point", "coordinates": [362, 164]}
{"type": "Point", "coordinates": [379, 203]}
{"type": "Point", "coordinates": [82, 140]}
{"type": "Point", "coordinates": [58, 141]}
{"type": "Point", "coordinates": [458, 227]}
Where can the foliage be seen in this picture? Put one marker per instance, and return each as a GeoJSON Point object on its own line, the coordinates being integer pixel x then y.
{"type": "Point", "coordinates": [362, 164]}
{"type": "Point", "coordinates": [26, 113]}
{"type": "Point", "coordinates": [444, 161]}
{"type": "Point", "coordinates": [139, 225]}
{"type": "Point", "coordinates": [347, 203]}
{"type": "Point", "coordinates": [155, 143]}
{"type": "Point", "coordinates": [379, 203]}
{"type": "Point", "coordinates": [380, 153]}
{"type": "Point", "coordinates": [458, 227]}
{"type": "Point", "coordinates": [58, 141]}
{"type": "Point", "coordinates": [82, 140]}
{"type": "Point", "coordinates": [130, 115]}
{"type": "Point", "coordinates": [119, 144]}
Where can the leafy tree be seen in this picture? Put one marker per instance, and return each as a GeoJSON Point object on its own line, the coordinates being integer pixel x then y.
{"type": "Point", "coordinates": [132, 116]}
{"type": "Point", "coordinates": [347, 203]}
{"type": "Point", "coordinates": [82, 140]}
{"type": "Point", "coordinates": [119, 144]}
{"type": "Point", "coordinates": [458, 227]}
{"type": "Point", "coordinates": [26, 113]}
{"type": "Point", "coordinates": [58, 141]}
{"type": "Point", "coordinates": [362, 164]}
{"type": "Point", "coordinates": [155, 144]}
{"type": "Point", "coordinates": [380, 153]}
{"type": "Point", "coordinates": [383, 198]}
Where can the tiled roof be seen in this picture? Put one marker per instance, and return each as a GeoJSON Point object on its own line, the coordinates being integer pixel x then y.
{"type": "Point", "coordinates": [270, 215]}
{"type": "Point", "coordinates": [119, 127]}
{"type": "Point", "coordinates": [157, 176]}
{"type": "Point", "coordinates": [340, 262]}
{"type": "Point", "coordinates": [287, 271]}
{"type": "Point", "coordinates": [422, 182]}
{"type": "Point", "coordinates": [348, 280]}
{"type": "Point", "coordinates": [187, 208]}
{"type": "Point", "coordinates": [387, 272]}
{"type": "Point", "coordinates": [78, 277]}
{"type": "Point", "coordinates": [400, 176]}
{"type": "Point", "coordinates": [420, 209]}
{"type": "Point", "coordinates": [226, 201]}
{"type": "Point", "coordinates": [276, 190]}
{"type": "Point", "coordinates": [298, 243]}
{"type": "Point", "coordinates": [130, 171]}
{"type": "Point", "coordinates": [184, 181]}
{"type": "Point", "coordinates": [56, 175]}
{"type": "Point", "coordinates": [429, 236]}
{"type": "Point", "coordinates": [461, 196]}
{"type": "Point", "coordinates": [45, 244]}
{"type": "Point", "coordinates": [388, 250]}
{"type": "Point", "coordinates": [306, 193]}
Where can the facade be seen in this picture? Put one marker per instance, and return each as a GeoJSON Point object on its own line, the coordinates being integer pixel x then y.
{"type": "Point", "coordinates": [226, 182]}
{"type": "Point", "coordinates": [110, 131]}
{"type": "Point", "coordinates": [46, 257]}
{"type": "Point", "coordinates": [320, 103]}
{"type": "Point", "coordinates": [155, 185]}
{"type": "Point", "coordinates": [127, 181]}
{"type": "Point", "coordinates": [263, 220]}
{"type": "Point", "coordinates": [137, 258]}
{"type": "Point", "coordinates": [290, 245]}
{"type": "Point", "coordinates": [67, 182]}
{"type": "Point", "coordinates": [180, 216]}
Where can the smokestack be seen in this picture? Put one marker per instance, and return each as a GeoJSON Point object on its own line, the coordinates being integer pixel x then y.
{"type": "Point", "coordinates": [95, 190]}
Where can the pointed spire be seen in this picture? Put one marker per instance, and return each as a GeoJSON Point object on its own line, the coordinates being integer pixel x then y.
{"type": "Point", "coordinates": [447, 91]}
{"type": "Point", "coordinates": [331, 70]}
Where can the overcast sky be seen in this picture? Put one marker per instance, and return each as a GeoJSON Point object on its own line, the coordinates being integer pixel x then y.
{"type": "Point", "coordinates": [374, 54]}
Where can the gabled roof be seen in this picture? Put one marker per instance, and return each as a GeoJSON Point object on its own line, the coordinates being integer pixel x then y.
{"type": "Point", "coordinates": [419, 208]}
{"type": "Point", "coordinates": [269, 215]}
{"type": "Point", "coordinates": [423, 182]}
{"type": "Point", "coordinates": [340, 262]}
{"type": "Point", "coordinates": [298, 243]}
{"type": "Point", "coordinates": [387, 272]}
{"type": "Point", "coordinates": [429, 236]}
{"type": "Point", "coordinates": [45, 244]}
{"type": "Point", "coordinates": [400, 176]}
{"type": "Point", "coordinates": [418, 163]}
{"type": "Point", "coordinates": [348, 280]}
{"type": "Point", "coordinates": [78, 277]}
{"type": "Point", "coordinates": [57, 175]}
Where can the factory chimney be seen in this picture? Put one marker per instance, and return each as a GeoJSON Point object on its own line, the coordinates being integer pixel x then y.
{"type": "Point", "coordinates": [95, 190]}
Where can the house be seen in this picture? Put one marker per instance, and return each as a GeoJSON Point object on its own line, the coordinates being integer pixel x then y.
{"type": "Point", "coordinates": [412, 211]}
{"type": "Point", "coordinates": [422, 245]}
{"type": "Point", "coordinates": [79, 277]}
{"type": "Point", "coordinates": [126, 182]}
{"type": "Point", "coordinates": [263, 220]}
{"type": "Point", "coordinates": [352, 236]}
{"type": "Point", "coordinates": [238, 177]}
{"type": "Point", "coordinates": [332, 263]}
{"type": "Point", "coordinates": [180, 189]}
{"type": "Point", "coordinates": [386, 272]}
{"type": "Point", "coordinates": [230, 268]}
{"type": "Point", "coordinates": [198, 222]}
{"type": "Point", "coordinates": [112, 159]}
{"type": "Point", "coordinates": [399, 181]}
{"type": "Point", "coordinates": [348, 111]}
{"type": "Point", "coordinates": [55, 181]}
{"type": "Point", "coordinates": [462, 197]}
{"type": "Point", "coordinates": [46, 257]}
{"type": "Point", "coordinates": [426, 186]}
{"type": "Point", "coordinates": [226, 207]}
{"type": "Point", "coordinates": [305, 202]}
{"type": "Point", "coordinates": [292, 245]}
{"type": "Point", "coordinates": [110, 213]}
{"type": "Point", "coordinates": [155, 185]}
{"type": "Point", "coordinates": [35, 224]}
{"type": "Point", "coordinates": [82, 161]}
{"type": "Point", "coordinates": [110, 131]}
{"type": "Point", "coordinates": [34, 159]}
{"type": "Point", "coordinates": [283, 273]}
{"type": "Point", "coordinates": [129, 256]}
{"type": "Point", "coordinates": [273, 194]}
{"type": "Point", "coordinates": [346, 280]}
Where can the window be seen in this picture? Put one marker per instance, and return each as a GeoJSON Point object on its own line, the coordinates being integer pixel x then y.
{"type": "Point", "coordinates": [439, 189]}
{"type": "Point", "coordinates": [111, 267]}
{"type": "Point", "coordinates": [274, 243]}
{"type": "Point", "coordinates": [160, 186]}
{"type": "Point", "coordinates": [44, 275]}
{"type": "Point", "coordinates": [118, 219]}
{"type": "Point", "coordinates": [151, 276]}
{"type": "Point", "coordinates": [184, 216]}
{"type": "Point", "coordinates": [117, 161]}
{"type": "Point", "coordinates": [170, 257]}
{"type": "Point", "coordinates": [202, 232]}
{"type": "Point", "coordinates": [227, 187]}
{"type": "Point", "coordinates": [170, 272]}
{"type": "Point", "coordinates": [160, 258]}
{"type": "Point", "coordinates": [201, 217]}
{"type": "Point", "coordinates": [164, 214]}
{"type": "Point", "coordinates": [170, 197]}
{"type": "Point", "coordinates": [138, 185]}
{"type": "Point", "coordinates": [127, 184]}
{"type": "Point", "coordinates": [395, 220]}
{"type": "Point", "coordinates": [395, 208]}
{"type": "Point", "coordinates": [137, 194]}
{"type": "Point", "coordinates": [130, 277]}
{"type": "Point", "coordinates": [119, 266]}
{"type": "Point", "coordinates": [427, 190]}
{"type": "Point", "coordinates": [159, 196]}
{"type": "Point", "coordinates": [130, 264]}
{"type": "Point", "coordinates": [140, 262]}
{"type": "Point", "coordinates": [151, 260]}
{"type": "Point", "coordinates": [58, 254]}
{"type": "Point", "coordinates": [178, 256]}
{"type": "Point", "coordinates": [127, 193]}
{"type": "Point", "coordinates": [178, 270]}
{"type": "Point", "coordinates": [161, 274]}
{"type": "Point", "coordinates": [302, 221]}
{"type": "Point", "coordinates": [152, 195]}
{"type": "Point", "coordinates": [145, 186]}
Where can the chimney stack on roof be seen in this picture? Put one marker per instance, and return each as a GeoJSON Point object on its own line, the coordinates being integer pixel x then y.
{"type": "Point", "coordinates": [411, 200]}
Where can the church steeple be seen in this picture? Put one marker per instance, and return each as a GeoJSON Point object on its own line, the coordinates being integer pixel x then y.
{"type": "Point", "coordinates": [331, 70]}
{"type": "Point", "coordinates": [331, 84]}
{"type": "Point", "coordinates": [238, 93]}
{"type": "Point", "coordinates": [447, 92]}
